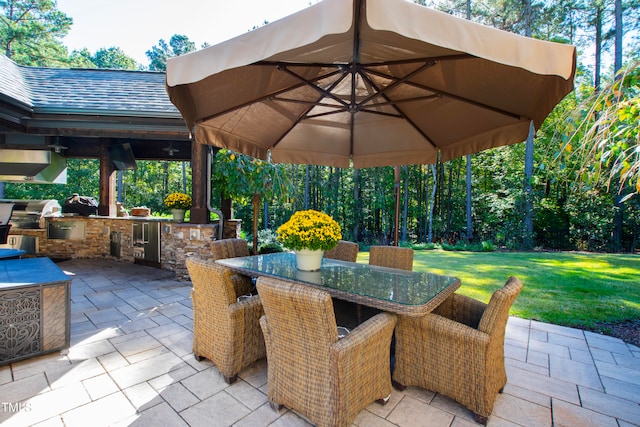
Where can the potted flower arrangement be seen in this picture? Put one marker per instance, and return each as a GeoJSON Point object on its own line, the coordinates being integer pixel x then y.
{"type": "Point", "coordinates": [309, 233]}
{"type": "Point", "coordinates": [177, 204]}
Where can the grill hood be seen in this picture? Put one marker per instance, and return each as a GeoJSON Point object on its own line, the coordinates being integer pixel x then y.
{"type": "Point", "coordinates": [32, 166]}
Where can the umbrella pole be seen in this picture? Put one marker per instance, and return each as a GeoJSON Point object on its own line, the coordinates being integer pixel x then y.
{"type": "Point", "coordinates": [396, 189]}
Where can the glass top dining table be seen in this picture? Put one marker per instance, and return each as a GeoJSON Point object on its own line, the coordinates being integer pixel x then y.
{"type": "Point", "coordinates": [411, 293]}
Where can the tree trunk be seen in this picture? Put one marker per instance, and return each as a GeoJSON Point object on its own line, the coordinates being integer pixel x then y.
{"type": "Point", "coordinates": [449, 196]}
{"type": "Point", "coordinates": [618, 221]}
{"type": "Point", "coordinates": [335, 202]}
{"type": "Point", "coordinates": [468, 182]}
{"type": "Point", "coordinates": [598, 46]}
{"type": "Point", "coordinates": [256, 209]}
{"type": "Point", "coordinates": [434, 172]}
{"type": "Point", "coordinates": [396, 193]}
{"type": "Point", "coordinates": [226, 206]}
{"type": "Point", "coordinates": [165, 178]}
{"type": "Point", "coordinates": [425, 225]}
{"type": "Point", "coordinates": [306, 187]}
{"type": "Point", "coordinates": [265, 216]}
{"type": "Point", "coordinates": [184, 177]}
{"type": "Point", "coordinates": [405, 207]}
{"type": "Point", "coordinates": [617, 64]}
{"type": "Point", "coordinates": [528, 191]}
{"type": "Point", "coordinates": [357, 207]}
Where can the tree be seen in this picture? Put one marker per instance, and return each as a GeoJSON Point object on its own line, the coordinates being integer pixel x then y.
{"type": "Point", "coordinates": [82, 59]}
{"type": "Point", "coordinates": [31, 31]}
{"type": "Point", "coordinates": [112, 58]}
{"type": "Point", "coordinates": [603, 134]}
{"type": "Point", "coordinates": [243, 179]}
{"type": "Point", "coordinates": [178, 45]}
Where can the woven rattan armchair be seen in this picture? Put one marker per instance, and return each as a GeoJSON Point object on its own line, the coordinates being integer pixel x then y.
{"type": "Point", "coordinates": [344, 251]}
{"type": "Point", "coordinates": [391, 256]}
{"type": "Point", "coordinates": [233, 248]}
{"type": "Point", "coordinates": [225, 331]}
{"type": "Point", "coordinates": [458, 350]}
{"type": "Point", "coordinates": [310, 370]}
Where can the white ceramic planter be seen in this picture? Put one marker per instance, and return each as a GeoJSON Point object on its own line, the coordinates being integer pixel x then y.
{"type": "Point", "coordinates": [309, 260]}
{"type": "Point", "coordinates": [178, 214]}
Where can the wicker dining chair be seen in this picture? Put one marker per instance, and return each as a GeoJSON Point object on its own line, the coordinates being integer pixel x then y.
{"type": "Point", "coordinates": [225, 331]}
{"type": "Point", "coordinates": [310, 370]}
{"type": "Point", "coordinates": [391, 256]}
{"type": "Point", "coordinates": [344, 251]}
{"type": "Point", "coordinates": [233, 248]}
{"type": "Point", "coordinates": [458, 349]}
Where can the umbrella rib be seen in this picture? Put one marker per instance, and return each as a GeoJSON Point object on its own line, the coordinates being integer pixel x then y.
{"type": "Point", "coordinates": [323, 93]}
{"type": "Point", "coordinates": [275, 94]}
{"type": "Point", "coordinates": [383, 113]}
{"type": "Point", "coordinates": [401, 101]}
{"type": "Point", "coordinates": [345, 65]}
{"type": "Point", "coordinates": [312, 103]}
{"type": "Point", "coordinates": [400, 113]}
{"type": "Point", "coordinates": [395, 83]}
{"type": "Point", "coordinates": [449, 95]}
{"type": "Point", "coordinates": [326, 93]}
{"type": "Point", "coordinates": [326, 113]}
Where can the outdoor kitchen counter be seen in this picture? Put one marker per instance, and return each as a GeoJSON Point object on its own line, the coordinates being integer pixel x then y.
{"type": "Point", "coordinates": [68, 217]}
{"type": "Point", "coordinates": [130, 218]}
{"type": "Point", "coordinates": [71, 236]}
{"type": "Point", "coordinates": [34, 302]}
{"type": "Point", "coordinates": [110, 237]}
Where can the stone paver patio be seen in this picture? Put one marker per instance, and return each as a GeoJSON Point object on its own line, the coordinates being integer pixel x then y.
{"type": "Point", "coordinates": [130, 364]}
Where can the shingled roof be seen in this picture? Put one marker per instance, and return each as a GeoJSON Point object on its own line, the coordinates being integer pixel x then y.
{"type": "Point", "coordinates": [13, 87]}
{"type": "Point", "coordinates": [86, 91]}
{"type": "Point", "coordinates": [79, 105]}
{"type": "Point", "coordinates": [82, 107]}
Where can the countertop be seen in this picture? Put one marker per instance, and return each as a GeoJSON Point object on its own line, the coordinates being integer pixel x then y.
{"type": "Point", "coordinates": [130, 218]}
{"type": "Point", "coordinates": [29, 272]}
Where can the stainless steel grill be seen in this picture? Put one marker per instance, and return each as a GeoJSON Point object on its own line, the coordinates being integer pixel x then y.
{"type": "Point", "coordinates": [30, 214]}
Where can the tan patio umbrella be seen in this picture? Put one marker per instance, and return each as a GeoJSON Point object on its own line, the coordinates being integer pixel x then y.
{"type": "Point", "coordinates": [367, 83]}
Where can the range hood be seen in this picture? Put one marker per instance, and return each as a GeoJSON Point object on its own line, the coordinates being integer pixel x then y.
{"type": "Point", "coordinates": [32, 166]}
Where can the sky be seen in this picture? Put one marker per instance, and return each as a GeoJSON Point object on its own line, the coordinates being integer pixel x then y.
{"type": "Point", "coordinates": [136, 26]}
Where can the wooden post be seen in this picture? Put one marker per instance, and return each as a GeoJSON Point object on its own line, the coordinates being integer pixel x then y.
{"type": "Point", "coordinates": [107, 203]}
{"type": "Point", "coordinates": [199, 210]}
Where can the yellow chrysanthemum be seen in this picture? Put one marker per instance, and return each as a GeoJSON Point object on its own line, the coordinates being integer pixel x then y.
{"type": "Point", "coordinates": [177, 201]}
{"type": "Point", "coordinates": [310, 229]}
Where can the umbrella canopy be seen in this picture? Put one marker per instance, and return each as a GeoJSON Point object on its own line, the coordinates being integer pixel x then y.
{"type": "Point", "coordinates": [367, 83]}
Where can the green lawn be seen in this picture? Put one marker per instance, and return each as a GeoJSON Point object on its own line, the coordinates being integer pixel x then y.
{"type": "Point", "coordinates": [564, 288]}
